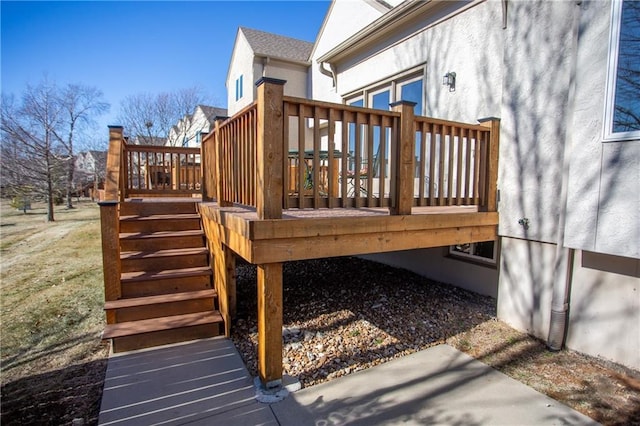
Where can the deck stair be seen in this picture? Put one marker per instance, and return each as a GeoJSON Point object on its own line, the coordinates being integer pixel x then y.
{"type": "Point", "coordinates": [167, 292]}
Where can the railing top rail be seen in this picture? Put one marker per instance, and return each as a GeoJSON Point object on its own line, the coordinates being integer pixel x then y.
{"type": "Point", "coordinates": [440, 122]}
{"type": "Point", "coordinates": [156, 148]}
{"type": "Point", "coordinates": [237, 115]}
{"type": "Point", "coordinates": [342, 107]}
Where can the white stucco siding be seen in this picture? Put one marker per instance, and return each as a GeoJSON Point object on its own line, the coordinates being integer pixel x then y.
{"type": "Point", "coordinates": [294, 75]}
{"type": "Point", "coordinates": [346, 17]}
{"type": "Point", "coordinates": [603, 207]}
{"type": "Point", "coordinates": [468, 44]}
{"type": "Point", "coordinates": [537, 62]}
{"type": "Point", "coordinates": [525, 287]}
{"type": "Point", "coordinates": [242, 64]}
{"type": "Point", "coordinates": [605, 307]}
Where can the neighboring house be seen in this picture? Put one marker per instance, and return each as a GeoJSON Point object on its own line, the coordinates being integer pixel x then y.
{"type": "Point", "coordinates": [90, 169]}
{"type": "Point", "coordinates": [258, 54]}
{"type": "Point", "coordinates": [188, 130]}
{"type": "Point", "coordinates": [566, 266]}
{"type": "Point", "coordinates": [147, 140]}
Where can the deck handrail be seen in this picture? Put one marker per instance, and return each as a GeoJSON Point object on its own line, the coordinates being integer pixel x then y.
{"type": "Point", "coordinates": [169, 171]}
{"type": "Point", "coordinates": [341, 156]}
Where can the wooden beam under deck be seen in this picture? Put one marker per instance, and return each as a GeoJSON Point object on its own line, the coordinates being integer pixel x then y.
{"type": "Point", "coordinates": [301, 235]}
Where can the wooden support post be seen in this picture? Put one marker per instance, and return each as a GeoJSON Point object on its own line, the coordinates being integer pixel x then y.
{"type": "Point", "coordinates": [491, 171]}
{"type": "Point", "coordinates": [270, 148]}
{"type": "Point", "coordinates": [114, 183]}
{"type": "Point", "coordinates": [270, 324]}
{"type": "Point", "coordinates": [404, 159]}
{"type": "Point", "coordinates": [224, 267]}
{"type": "Point", "coordinates": [110, 230]}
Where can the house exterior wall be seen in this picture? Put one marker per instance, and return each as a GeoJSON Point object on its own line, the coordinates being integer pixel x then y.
{"type": "Point", "coordinates": [605, 307]}
{"type": "Point", "coordinates": [604, 177]}
{"type": "Point", "coordinates": [344, 18]}
{"type": "Point", "coordinates": [450, 45]}
{"type": "Point", "coordinates": [295, 76]}
{"type": "Point", "coordinates": [549, 46]}
{"type": "Point", "coordinates": [242, 64]}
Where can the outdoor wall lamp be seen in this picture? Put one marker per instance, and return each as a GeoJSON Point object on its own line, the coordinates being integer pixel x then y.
{"type": "Point", "coordinates": [449, 79]}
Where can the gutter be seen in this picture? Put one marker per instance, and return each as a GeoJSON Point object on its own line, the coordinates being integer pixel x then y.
{"type": "Point", "coordinates": [377, 28]}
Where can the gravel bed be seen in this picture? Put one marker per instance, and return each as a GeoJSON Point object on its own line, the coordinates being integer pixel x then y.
{"type": "Point", "coordinates": [342, 315]}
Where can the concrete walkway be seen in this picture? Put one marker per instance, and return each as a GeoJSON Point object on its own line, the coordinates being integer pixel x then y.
{"type": "Point", "coordinates": [206, 383]}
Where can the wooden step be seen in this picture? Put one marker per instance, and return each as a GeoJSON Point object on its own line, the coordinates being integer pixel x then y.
{"type": "Point", "coordinates": [140, 308]}
{"type": "Point", "coordinates": [133, 241]}
{"type": "Point", "coordinates": [154, 223]}
{"type": "Point", "coordinates": [131, 335]}
{"type": "Point", "coordinates": [164, 259]}
{"type": "Point", "coordinates": [148, 208]}
{"type": "Point", "coordinates": [138, 284]}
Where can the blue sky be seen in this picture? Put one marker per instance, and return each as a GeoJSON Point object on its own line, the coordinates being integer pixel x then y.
{"type": "Point", "coordinates": [125, 47]}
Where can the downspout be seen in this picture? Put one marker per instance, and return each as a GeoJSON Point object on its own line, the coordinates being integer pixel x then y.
{"type": "Point", "coordinates": [329, 73]}
{"type": "Point", "coordinates": [562, 273]}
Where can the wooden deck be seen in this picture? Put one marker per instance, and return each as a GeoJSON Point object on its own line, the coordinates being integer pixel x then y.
{"type": "Point", "coordinates": [290, 179]}
{"type": "Point", "coordinates": [319, 233]}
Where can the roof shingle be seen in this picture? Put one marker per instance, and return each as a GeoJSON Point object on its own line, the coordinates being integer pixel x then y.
{"type": "Point", "coordinates": [277, 46]}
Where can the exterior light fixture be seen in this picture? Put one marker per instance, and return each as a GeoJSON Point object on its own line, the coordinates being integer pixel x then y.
{"type": "Point", "coordinates": [449, 79]}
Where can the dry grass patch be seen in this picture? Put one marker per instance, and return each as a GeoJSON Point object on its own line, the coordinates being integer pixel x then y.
{"type": "Point", "coordinates": [52, 315]}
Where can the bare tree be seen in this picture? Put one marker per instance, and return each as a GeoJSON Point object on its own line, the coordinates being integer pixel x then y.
{"type": "Point", "coordinates": [149, 118]}
{"type": "Point", "coordinates": [28, 130]}
{"type": "Point", "coordinates": [80, 104]}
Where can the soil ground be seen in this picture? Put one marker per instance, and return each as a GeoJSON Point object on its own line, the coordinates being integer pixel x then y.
{"type": "Point", "coordinates": [53, 362]}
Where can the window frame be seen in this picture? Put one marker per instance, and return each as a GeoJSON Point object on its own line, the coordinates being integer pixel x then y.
{"type": "Point", "coordinates": [393, 84]}
{"type": "Point", "coordinates": [612, 77]}
{"type": "Point", "coordinates": [484, 261]}
{"type": "Point", "coordinates": [239, 88]}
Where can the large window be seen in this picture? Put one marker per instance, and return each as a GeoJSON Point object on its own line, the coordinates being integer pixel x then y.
{"type": "Point", "coordinates": [408, 86]}
{"type": "Point", "coordinates": [622, 118]}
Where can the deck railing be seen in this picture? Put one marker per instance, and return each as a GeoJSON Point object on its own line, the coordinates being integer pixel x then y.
{"type": "Point", "coordinates": [150, 171]}
{"type": "Point", "coordinates": [283, 152]}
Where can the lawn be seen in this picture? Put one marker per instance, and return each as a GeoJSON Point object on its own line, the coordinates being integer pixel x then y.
{"type": "Point", "coordinates": [51, 300]}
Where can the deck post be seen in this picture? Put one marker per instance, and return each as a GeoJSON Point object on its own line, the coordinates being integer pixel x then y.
{"type": "Point", "coordinates": [204, 166]}
{"type": "Point", "coordinates": [270, 324]}
{"type": "Point", "coordinates": [110, 232]}
{"type": "Point", "coordinates": [269, 148]}
{"type": "Point", "coordinates": [491, 170]}
{"type": "Point", "coordinates": [403, 156]}
{"type": "Point", "coordinates": [218, 181]}
{"type": "Point", "coordinates": [224, 267]}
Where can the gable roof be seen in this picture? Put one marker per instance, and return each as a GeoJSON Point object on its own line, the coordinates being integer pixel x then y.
{"type": "Point", "coordinates": [211, 112]}
{"type": "Point", "coordinates": [277, 46]}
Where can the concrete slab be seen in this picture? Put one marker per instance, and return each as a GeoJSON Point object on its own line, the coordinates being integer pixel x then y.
{"type": "Point", "coordinates": [199, 382]}
{"type": "Point", "coordinates": [206, 383]}
{"type": "Point", "coordinates": [439, 385]}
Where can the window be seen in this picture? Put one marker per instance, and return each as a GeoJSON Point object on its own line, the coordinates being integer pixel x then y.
{"type": "Point", "coordinates": [239, 88]}
{"type": "Point", "coordinates": [407, 86]}
{"type": "Point", "coordinates": [622, 117]}
{"type": "Point", "coordinates": [484, 252]}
